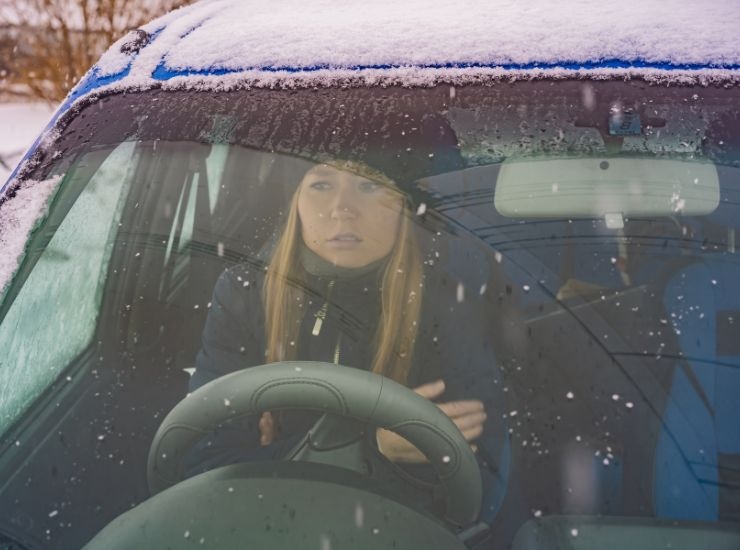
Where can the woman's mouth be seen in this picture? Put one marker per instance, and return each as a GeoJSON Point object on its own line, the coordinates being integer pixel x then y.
{"type": "Point", "coordinates": [344, 240]}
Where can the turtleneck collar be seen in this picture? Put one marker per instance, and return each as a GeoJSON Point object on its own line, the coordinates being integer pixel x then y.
{"type": "Point", "coordinates": [317, 266]}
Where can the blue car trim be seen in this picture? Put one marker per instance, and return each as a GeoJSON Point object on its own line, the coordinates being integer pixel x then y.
{"type": "Point", "coordinates": [162, 72]}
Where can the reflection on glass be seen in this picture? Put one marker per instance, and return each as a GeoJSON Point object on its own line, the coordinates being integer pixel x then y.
{"type": "Point", "coordinates": [591, 335]}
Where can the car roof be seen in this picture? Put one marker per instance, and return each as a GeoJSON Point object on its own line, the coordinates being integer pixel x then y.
{"type": "Point", "coordinates": [226, 44]}
{"type": "Point", "coordinates": [420, 40]}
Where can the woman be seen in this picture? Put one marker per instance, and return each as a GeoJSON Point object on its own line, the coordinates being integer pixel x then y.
{"type": "Point", "coordinates": [348, 283]}
{"type": "Point", "coordinates": [345, 284]}
{"type": "Point", "coordinates": [354, 279]}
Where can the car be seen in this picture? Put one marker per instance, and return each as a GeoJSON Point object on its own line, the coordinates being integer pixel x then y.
{"type": "Point", "coordinates": [527, 213]}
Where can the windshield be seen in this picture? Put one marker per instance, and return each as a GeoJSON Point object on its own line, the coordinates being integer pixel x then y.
{"type": "Point", "coordinates": [553, 263]}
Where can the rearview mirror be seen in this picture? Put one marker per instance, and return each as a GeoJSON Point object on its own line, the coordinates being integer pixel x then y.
{"type": "Point", "coordinates": [609, 188]}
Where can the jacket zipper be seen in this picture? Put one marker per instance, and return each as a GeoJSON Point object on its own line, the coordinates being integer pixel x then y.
{"type": "Point", "coordinates": [320, 316]}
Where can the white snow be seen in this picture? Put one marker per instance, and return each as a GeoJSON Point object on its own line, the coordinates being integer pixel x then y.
{"type": "Point", "coordinates": [20, 124]}
{"type": "Point", "coordinates": [18, 217]}
{"type": "Point", "coordinates": [310, 34]}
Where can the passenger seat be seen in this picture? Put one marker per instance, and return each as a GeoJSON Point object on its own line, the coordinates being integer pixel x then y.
{"type": "Point", "coordinates": [697, 462]}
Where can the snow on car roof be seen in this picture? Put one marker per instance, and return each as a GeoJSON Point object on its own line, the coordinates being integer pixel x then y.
{"type": "Point", "coordinates": [324, 37]}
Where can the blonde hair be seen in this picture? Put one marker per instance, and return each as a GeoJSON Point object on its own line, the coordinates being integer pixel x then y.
{"type": "Point", "coordinates": [400, 296]}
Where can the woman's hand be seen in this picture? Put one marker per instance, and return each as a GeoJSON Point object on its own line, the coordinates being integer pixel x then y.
{"type": "Point", "coordinates": [468, 416]}
{"type": "Point", "coordinates": [267, 429]}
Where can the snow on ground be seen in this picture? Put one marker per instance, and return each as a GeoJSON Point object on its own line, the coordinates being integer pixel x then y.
{"type": "Point", "coordinates": [20, 124]}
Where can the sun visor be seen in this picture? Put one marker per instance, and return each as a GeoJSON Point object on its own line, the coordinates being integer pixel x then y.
{"type": "Point", "coordinates": [608, 188]}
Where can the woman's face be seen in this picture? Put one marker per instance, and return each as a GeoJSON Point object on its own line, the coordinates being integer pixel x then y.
{"type": "Point", "coordinates": [347, 219]}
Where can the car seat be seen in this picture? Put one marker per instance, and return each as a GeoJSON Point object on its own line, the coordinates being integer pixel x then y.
{"type": "Point", "coordinates": [697, 461]}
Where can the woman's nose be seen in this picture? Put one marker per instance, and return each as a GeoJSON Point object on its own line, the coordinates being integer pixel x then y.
{"type": "Point", "coordinates": [344, 205]}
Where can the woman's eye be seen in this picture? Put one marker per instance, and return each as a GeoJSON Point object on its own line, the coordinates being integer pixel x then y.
{"type": "Point", "coordinates": [369, 186]}
{"type": "Point", "coordinates": [320, 185]}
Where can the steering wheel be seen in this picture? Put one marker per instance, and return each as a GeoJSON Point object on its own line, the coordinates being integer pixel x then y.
{"type": "Point", "coordinates": [350, 395]}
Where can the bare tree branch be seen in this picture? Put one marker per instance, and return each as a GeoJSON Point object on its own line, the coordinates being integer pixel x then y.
{"type": "Point", "coordinates": [47, 45]}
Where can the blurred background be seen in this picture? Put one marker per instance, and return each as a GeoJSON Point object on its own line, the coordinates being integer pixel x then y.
{"type": "Point", "coordinates": [46, 46]}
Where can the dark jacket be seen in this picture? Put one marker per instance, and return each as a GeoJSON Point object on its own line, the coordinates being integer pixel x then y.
{"type": "Point", "coordinates": [453, 343]}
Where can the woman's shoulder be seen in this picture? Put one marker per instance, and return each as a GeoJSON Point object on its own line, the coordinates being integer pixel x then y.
{"type": "Point", "coordinates": [243, 279]}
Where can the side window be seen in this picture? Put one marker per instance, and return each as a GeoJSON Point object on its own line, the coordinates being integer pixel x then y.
{"type": "Point", "coordinates": [54, 315]}
{"type": "Point", "coordinates": [194, 208]}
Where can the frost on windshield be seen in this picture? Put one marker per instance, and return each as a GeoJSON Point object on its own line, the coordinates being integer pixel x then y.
{"type": "Point", "coordinates": [615, 340]}
{"type": "Point", "coordinates": [496, 128]}
{"type": "Point", "coordinates": [18, 217]}
{"type": "Point", "coordinates": [53, 317]}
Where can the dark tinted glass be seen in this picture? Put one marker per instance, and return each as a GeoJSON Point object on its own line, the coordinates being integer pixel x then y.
{"type": "Point", "coordinates": [594, 316]}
